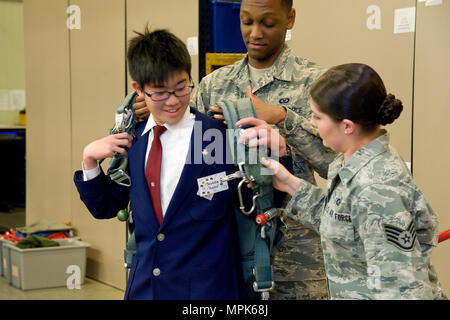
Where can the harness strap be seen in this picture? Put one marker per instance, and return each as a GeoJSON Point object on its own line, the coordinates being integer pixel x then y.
{"type": "Point", "coordinates": [126, 120]}
{"type": "Point", "coordinates": [256, 242]}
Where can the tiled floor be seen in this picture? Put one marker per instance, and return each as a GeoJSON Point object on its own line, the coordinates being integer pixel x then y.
{"type": "Point", "coordinates": [89, 290]}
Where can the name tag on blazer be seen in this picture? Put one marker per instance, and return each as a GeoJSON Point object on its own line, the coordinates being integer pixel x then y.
{"type": "Point", "coordinates": [208, 186]}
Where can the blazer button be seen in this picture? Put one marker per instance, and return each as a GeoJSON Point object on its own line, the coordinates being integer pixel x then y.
{"type": "Point", "coordinates": [156, 272]}
{"type": "Point", "coordinates": [160, 237]}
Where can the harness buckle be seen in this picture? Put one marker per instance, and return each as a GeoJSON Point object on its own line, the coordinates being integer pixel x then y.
{"type": "Point", "coordinates": [232, 176]}
{"type": "Point", "coordinates": [245, 179]}
{"type": "Point", "coordinates": [265, 295]}
{"type": "Point", "coordinates": [119, 176]}
{"type": "Point", "coordinates": [124, 122]}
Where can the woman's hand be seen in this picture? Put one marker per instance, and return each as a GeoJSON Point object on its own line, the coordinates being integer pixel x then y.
{"type": "Point", "coordinates": [265, 135]}
{"type": "Point", "coordinates": [282, 179]}
{"type": "Point", "coordinates": [105, 148]}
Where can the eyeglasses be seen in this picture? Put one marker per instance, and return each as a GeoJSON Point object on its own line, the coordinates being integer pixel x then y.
{"type": "Point", "coordinates": [164, 95]}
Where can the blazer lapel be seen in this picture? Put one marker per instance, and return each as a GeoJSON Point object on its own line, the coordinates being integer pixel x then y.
{"type": "Point", "coordinates": [139, 182]}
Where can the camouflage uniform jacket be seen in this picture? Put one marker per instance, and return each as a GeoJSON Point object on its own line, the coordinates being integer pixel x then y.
{"type": "Point", "coordinates": [377, 229]}
{"type": "Point", "coordinates": [287, 84]}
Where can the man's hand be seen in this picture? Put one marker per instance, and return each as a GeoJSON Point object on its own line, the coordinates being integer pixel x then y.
{"type": "Point", "coordinates": [264, 111]}
{"type": "Point", "coordinates": [265, 136]}
{"type": "Point", "coordinates": [267, 112]}
{"type": "Point", "coordinates": [106, 148]}
{"type": "Point", "coordinates": [218, 113]}
{"type": "Point", "coordinates": [140, 107]}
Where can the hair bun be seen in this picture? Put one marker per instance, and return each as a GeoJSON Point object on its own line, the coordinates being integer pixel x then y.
{"type": "Point", "coordinates": [389, 110]}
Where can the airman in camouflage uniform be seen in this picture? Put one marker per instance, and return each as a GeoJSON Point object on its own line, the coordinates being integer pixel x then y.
{"type": "Point", "coordinates": [298, 268]}
{"type": "Point", "coordinates": [377, 229]}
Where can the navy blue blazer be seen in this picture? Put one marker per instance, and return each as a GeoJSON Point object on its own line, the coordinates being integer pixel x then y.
{"type": "Point", "coordinates": [194, 253]}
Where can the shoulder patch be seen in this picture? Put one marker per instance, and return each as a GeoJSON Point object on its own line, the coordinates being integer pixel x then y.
{"type": "Point", "coordinates": [402, 239]}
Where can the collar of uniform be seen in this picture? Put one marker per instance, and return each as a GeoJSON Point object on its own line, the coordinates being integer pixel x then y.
{"type": "Point", "coordinates": [335, 166]}
{"type": "Point", "coordinates": [281, 69]}
{"type": "Point", "coordinates": [239, 74]}
{"type": "Point", "coordinates": [284, 65]}
{"type": "Point", "coordinates": [180, 124]}
{"type": "Point", "coordinates": [235, 73]}
{"type": "Point", "coordinates": [363, 155]}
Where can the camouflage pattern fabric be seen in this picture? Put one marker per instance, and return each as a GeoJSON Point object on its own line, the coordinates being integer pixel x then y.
{"type": "Point", "coordinates": [298, 268]}
{"type": "Point", "coordinates": [377, 229]}
{"type": "Point", "coordinates": [306, 144]}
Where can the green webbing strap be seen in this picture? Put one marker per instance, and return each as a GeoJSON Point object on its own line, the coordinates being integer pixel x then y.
{"type": "Point", "coordinates": [233, 112]}
{"type": "Point", "coordinates": [256, 242]}
{"type": "Point", "coordinates": [130, 250]}
{"type": "Point", "coordinates": [250, 158]}
{"type": "Point", "coordinates": [126, 120]}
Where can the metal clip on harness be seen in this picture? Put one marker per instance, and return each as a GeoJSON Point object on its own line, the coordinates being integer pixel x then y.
{"type": "Point", "coordinates": [245, 180]}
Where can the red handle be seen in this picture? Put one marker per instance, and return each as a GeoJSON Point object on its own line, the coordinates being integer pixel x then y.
{"type": "Point", "coordinates": [261, 219]}
{"type": "Point", "coordinates": [444, 235]}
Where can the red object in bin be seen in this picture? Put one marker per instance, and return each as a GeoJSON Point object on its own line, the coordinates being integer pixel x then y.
{"type": "Point", "coordinates": [444, 235]}
{"type": "Point", "coordinates": [57, 235]}
{"type": "Point", "coordinates": [11, 236]}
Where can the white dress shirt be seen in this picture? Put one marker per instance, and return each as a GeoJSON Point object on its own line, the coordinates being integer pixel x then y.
{"type": "Point", "coordinates": [175, 143]}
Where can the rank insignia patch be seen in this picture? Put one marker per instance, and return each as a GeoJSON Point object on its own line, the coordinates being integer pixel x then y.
{"type": "Point", "coordinates": [402, 239]}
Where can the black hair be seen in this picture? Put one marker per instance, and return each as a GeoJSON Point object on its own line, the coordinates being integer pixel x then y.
{"type": "Point", "coordinates": [356, 92]}
{"type": "Point", "coordinates": [285, 3]}
{"type": "Point", "coordinates": [154, 56]}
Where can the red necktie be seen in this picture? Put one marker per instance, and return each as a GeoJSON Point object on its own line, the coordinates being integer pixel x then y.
{"type": "Point", "coordinates": [153, 171]}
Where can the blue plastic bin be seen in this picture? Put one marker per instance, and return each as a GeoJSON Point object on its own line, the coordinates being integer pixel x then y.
{"type": "Point", "coordinates": [225, 27]}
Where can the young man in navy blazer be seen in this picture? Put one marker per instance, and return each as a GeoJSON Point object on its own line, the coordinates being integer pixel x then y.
{"type": "Point", "coordinates": [193, 253]}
